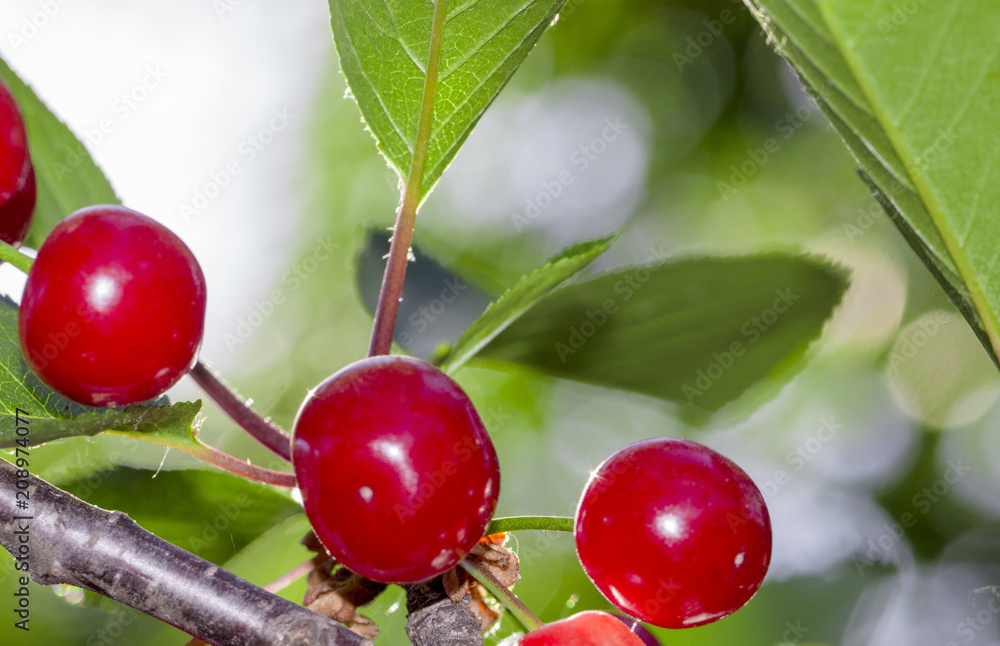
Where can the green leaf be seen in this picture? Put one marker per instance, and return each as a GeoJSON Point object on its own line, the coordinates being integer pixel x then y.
{"type": "Point", "coordinates": [914, 92]}
{"type": "Point", "coordinates": [211, 514]}
{"type": "Point", "coordinates": [521, 297]}
{"type": "Point", "coordinates": [51, 416]}
{"type": "Point", "coordinates": [66, 175]}
{"type": "Point", "coordinates": [384, 49]}
{"type": "Point", "coordinates": [148, 421]}
{"type": "Point", "coordinates": [698, 331]}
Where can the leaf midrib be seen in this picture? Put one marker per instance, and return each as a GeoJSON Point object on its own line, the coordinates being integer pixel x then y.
{"type": "Point", "coordinates": [919, 180]}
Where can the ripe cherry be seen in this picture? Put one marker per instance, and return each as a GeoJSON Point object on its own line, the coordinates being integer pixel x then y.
{"type": "Point", "coordinates": [114, 308]}
{"type": "Point", "coordinates": [673, 533]}
{"type": "Point", "coordinates": [590, 628]}
{"type": "Point", "coordinates": [398, 475]}
{"type": "Point", "coordinates": [17, 177]}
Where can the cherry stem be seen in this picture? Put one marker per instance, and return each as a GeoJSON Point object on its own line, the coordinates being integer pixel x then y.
{"type": "Point", "coordinates": [291, 576]}
{"type": "Point", "coordinates": [194, 447]}
{"type": "Point", "coordinates": [272, 436]}
{"type": "Point", "coordinates": [238, 467]}
{"type": "Point", "coordinates": [15, 257]}
{"type": "Point", "coordinates": [402, 236]}
{"type": "Point", "coordinates": [528, 523]}
{"type": "Point", "coordinates": [502, 594]}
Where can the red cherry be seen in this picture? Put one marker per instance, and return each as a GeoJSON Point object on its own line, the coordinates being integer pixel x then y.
{"type": "Point", "coordinates": [590, 628]}
{"type": "Point", "coordinates": [17, 177]}
{"type": "Point", "coordinates": [673, 533]}
{"type": "Point", "coordinates": [114, 308]}
{"type": "Point", "coordinates": [398, 475]}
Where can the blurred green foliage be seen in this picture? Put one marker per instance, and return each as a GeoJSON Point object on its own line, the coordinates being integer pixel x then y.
{"type": "Point", "coordinates": [714, 96]}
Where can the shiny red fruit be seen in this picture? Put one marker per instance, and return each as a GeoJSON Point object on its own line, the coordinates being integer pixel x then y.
{"type": "Point", "coordinates": [673, 533]}
{"type": "Point", "coordinates": [398, 475]}
{"type": "Point", "coordinates": [590, 628]}
{"type": "Point", "coordinates": [114, 308]}
{"type": "Point", "coordinates": [17, 177]}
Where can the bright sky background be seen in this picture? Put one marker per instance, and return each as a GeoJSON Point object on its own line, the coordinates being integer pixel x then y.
{"type": "Point", "coordinates": [202, 78]}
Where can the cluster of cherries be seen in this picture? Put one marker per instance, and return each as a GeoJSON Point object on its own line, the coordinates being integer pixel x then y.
{"type": "Point", "coordinates": [398, 475]}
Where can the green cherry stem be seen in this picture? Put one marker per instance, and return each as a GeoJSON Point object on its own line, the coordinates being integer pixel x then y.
{"type": "Point", "coordinates": [503, 595]}
{"type": "Point", "coordinates": [402, 235]}
{"type": "Point", "coordinates": [15, 257]}
{"type": "Point", "coordinates": [528, 523]}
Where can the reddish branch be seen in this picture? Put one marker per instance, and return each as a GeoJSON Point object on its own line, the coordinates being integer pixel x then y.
{"type": "Point", "coordinates": [263, 430]}
{"type": "Point", "coordinates": [75, 543]}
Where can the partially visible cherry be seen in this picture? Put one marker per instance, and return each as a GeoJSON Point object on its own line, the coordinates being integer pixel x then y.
{"type": "Point", "coordinates": [17, 177]}
{"type": "Point", "coordinates": [673, 533]}
{"type": "Point", "coordinates": [588, 628]}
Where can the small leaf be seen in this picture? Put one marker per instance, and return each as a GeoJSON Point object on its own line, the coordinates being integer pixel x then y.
{"type": "Point", "coordinates": [384, 50]}
{"type": "Point", "coordinates": [151, 421]}
{"type": "Point", "coordinates": [212, 514]}
{"type": "Point", "coordinates": [66, 175]}
{"type": "Point", "coordinates": [698, 331]}
{"type": "Point", "coordinates": [522, 297]}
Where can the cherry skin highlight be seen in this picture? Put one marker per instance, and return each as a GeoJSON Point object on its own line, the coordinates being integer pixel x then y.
{"type": "Point", "coordinates": [673, 533]}
{"type": "Point", "coordinates": [589, 628]}
{"type": "Point", "coordinates": [398, 475]}
{"type": "Point", "coordinates": [114, 308]}
{"type": "Point", "coordinates": [17, 176]}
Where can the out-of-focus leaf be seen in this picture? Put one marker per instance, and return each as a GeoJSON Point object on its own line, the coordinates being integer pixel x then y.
{"type": "Point", "coordinates": [211, 514]}
{"type": "Point", "coordinates": [67, 177]}
{"type": "Point", "coordinates": [384, 50]}
{"type": "Point", "coordinates": [697, 331]}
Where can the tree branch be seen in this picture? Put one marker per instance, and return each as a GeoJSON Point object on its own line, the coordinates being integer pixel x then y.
{"type": "Point", "coordinates": [436, 620]}
{"type": "Point", "coordinates": [73, 542]}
